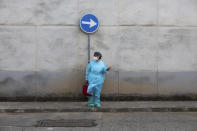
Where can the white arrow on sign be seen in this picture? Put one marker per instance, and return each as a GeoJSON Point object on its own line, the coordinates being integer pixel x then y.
{"type": "Point", "coordinates": [91, 23]}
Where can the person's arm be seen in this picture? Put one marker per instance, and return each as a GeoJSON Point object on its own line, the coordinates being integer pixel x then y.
{"type": "Point", "coordinates": [106, 69]}
{"type": "Point", "coordinates": [109, 68]}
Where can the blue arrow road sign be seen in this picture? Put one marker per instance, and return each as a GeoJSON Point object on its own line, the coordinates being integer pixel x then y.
{"type": "Point", "coordinates": [89, 23]}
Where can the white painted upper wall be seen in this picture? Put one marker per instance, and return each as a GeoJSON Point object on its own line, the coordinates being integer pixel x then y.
{"type": "Point", "coordinates": [109, 12]}
{"type": "Point", "coordinates": [135, 35]}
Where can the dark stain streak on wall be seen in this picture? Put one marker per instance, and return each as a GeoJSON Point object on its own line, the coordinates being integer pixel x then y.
{"type": "Point", "coordinates": [137, 80]}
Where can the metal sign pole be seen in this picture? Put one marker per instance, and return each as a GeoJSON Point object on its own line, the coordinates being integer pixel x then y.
{"type": "Point", "coordinates": [88, 48]}
{"type": "Point", "coordinates": [89, 24]}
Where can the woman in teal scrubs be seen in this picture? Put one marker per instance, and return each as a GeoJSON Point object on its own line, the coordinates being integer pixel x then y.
{"type": "Point", "coordinates": [95, 76]}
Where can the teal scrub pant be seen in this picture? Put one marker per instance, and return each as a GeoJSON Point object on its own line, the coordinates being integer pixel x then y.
{"type": "Point", "coordinates": [95, 98]}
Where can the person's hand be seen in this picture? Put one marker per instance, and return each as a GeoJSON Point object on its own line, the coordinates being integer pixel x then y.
{"type": "Point", "coordinates": [109, 68]}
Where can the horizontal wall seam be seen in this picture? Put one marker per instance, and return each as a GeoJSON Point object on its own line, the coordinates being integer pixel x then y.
{"type": "Point", "coordinates": [2, 25]}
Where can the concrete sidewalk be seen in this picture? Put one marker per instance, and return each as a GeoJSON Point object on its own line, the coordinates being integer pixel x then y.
{"type": "Point", "coordinates": [129, 106]}
{"type": "Point", "coordinates": [105, 121]}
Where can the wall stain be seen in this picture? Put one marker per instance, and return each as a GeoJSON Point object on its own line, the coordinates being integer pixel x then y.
{"type": "Point", "coordinates": [166, 78]}
{"type": "Point", "coordinates": [6, 81]}
{"type": "Point", "coordinates": [29, 78]}
{"type": "Point", "coordinates": [137, 80]}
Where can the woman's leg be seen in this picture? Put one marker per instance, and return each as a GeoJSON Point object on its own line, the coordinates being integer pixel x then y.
{"type": "Point", "coordinates": [91, 98]}
{"type": "Point", "coordinates": [97, 94]}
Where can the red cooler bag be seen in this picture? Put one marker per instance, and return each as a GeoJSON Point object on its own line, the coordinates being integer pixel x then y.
{"type": "Point", "coordinates": [85, 87]}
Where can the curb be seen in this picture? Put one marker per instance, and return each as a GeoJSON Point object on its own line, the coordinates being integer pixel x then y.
{"type": "Point", "coordinates": [92, 109]}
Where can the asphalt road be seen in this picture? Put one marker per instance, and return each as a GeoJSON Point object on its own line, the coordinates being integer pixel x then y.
{"type": "Point", "coordinates": [136, 121]}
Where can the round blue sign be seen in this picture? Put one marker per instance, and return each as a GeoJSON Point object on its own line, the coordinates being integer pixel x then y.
{"type": "Point", "coordinates": [89, 23]}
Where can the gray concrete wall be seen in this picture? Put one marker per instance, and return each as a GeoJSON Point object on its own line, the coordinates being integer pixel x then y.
{"type": "Point", "coordinates": [150, 44]}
